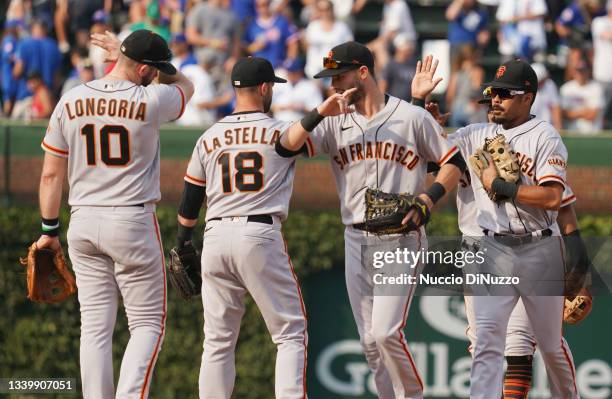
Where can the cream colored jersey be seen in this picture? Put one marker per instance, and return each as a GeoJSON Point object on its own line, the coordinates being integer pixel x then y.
{"type": "Point", "coordinates": [390, 151]}
{"type": "Point", "coordinates": [109, 131]}
{"type": "Point", "coordinates": [542, 157]}
{"type": "Point", "coordinates": [467, 212]}
{"type": "Point", "coordinates": [236, 160]}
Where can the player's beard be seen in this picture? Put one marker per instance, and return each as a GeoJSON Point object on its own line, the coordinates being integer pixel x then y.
{"type": "Point", "coordinates": [148, 78]}
{"type": "Point", "coordinates": [359, 94]}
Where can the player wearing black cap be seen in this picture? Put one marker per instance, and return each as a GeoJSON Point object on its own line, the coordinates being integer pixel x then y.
{"type": "Point", "coordinates": [385, 143]}
{"type": "Point", "coordinates": [522, 241]}
{"type": "Point", "coordinates": [247, 186]}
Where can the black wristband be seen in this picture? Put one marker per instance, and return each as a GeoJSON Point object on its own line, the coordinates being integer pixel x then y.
{"type": "Point", "coordinates": [311, 120]}
{"type": "Point", "coordinates": [50, 227]}
{"type": "Point", "coordinates": [183, 235]}
{"type": "Point", "coordinates": [504, 188]}
{"type": "Point", "coordinates": [435, 192]}
{"type": "Point", "coordinates": [419, 102]}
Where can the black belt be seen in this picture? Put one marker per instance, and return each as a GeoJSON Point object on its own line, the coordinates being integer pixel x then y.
{"type": "Point", "coordinates": [516, 240]}
{"type": "Point", "coordinates": [267, 219]}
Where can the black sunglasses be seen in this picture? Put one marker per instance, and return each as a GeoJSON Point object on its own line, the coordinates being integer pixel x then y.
{"type": "Point", "coordinates": [505, 94]}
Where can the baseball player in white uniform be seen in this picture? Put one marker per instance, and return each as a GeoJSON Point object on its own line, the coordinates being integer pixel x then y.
{"type": "Point", "coordinates": [383, 142]}
{"type": "Point", "coordinates": [247, 180]}
{"type": "Point", "coordinates": [105, 135]}
{"type": "Point", "coordinates": [520, 340]}
{"type": "Point", "coordinates": [522, 238]}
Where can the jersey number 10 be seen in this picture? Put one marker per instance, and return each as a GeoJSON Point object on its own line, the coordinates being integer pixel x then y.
{"type": "Point", "coordinates": [89, 132]}
{"type": "Point", "coordinates": [246, 164]}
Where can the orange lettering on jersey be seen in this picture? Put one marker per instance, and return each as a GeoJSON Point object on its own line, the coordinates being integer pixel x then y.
{"type": "Point", "coordinates": [253, 135]}
{"type": "Point", "coordinates": [141, 113]}
{"type": "Point", "coordinates": [237, 135]}
{"type": "Point", "coordinates": [70, 116]}
{"type": "Point", "coordinates": [216, 143]}
{"type": "Point", "coordinates": [344, 156]}
{"type": "Point", "coordinates": [228, 137]}
{"type": "Point", "coordinates": [352, 151]}
{"type": "Point", "coordinates": [408, 153]}
{"type": "Point", "coordinates": [394, 150]}
{"type": "Point", "coordinates": [337, 160]}
{"type": "Point", "coordinates": [378, 150]}
{"type": "Point", "coordinates": [275, 137]}
{"type": "Point", "coordinates": [90, 104]}
{"type": "Point", "coordinates": [112, 107]}
{"type": "Point", "coordinates": [245, 135]}
{"type": "Point", "coordinates": [78, 107]}
{"type": "Point", "coordinates": [386, 154]}
{"type": "Point", "coordinates": [413, 163]}
{"type": "Point", "coordinates": [359, 151]}
{"type": "Point", "coordinates": [101, 108]}
{"type": "Point", "coordinates": [400, 153]}
{"type": "Point", "coordinates": [369, 153]}
{"type": "Point", "coordinates": [122, 109]}
{"type": "Point", "coordinates": [205, 144]}
{"type": "Point", "coordinates": [263, 136]}
{"type": "Point", "coordinates": [132, 105]}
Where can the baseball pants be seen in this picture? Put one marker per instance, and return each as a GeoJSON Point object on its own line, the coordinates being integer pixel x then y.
{"type": "Point", "coordinates": [539, 266]}
{"type": "Point", "coordinates": [118, 251]}
{"type": "Point", "coordinates": [381, 319]}
{"type": "Point", "coordinates": [240, 257]}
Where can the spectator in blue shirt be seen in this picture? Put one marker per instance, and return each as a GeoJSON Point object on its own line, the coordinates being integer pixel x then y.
{"type": "Point", "coordinates": [271, 36]}
{"type": "Point", "coordinates": [36, 53]}
{"type": "Point", "coordinates": [10, 41]}
{"type": "Point", "coordinates": [467, 25]}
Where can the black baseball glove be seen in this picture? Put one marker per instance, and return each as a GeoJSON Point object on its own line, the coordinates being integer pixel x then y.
{"type": "Point", "coordinates": [185, 271]}
{"type": "Point", "coordinates": [385, 212]}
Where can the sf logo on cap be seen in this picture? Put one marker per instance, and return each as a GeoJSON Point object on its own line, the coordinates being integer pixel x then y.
{"type": "Point", "coordinates": [500, 72]}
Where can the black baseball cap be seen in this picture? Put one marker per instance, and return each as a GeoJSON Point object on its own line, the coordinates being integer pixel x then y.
{"type": "Point", "coordinates": [148, 48]}
{"type": "Point", "coordinates": [515, 75]}
{"type": "Point", "coordinates": [345, 57]}
{"type": "Point", "coordinates": [253, 71]}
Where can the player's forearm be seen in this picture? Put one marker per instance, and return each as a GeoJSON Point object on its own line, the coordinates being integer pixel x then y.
{"type": "Point", "coordinates": [51, 182]}
{"type": "Point", "coordinates": [187, 222]}
{"type": "Point", "coordinates": [448, 176]}
{"type": "Point", "coordinates": [294, 137]}
{"type": "Point", "coordinates": [543, 197]}
{"type": "Point", "coordinates": [178, 79]}
{"type": "Point", "coordinates": [567, 220]}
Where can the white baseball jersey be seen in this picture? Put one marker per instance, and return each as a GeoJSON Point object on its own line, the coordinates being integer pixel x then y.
{"type": "Point", "coordinates": [111, 131]}
{"type": "Point", "coordinates": [389, 151]}
{"type": "Point", "coordinates": [237, 163]}
{"type": "Point", "coordinates": [467, 211]}
{"type": "Point", "coordinates": [542, 157]}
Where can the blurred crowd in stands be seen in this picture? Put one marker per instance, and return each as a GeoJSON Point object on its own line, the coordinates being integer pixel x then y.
{"type": "Point", "coordinates": [46, 50]}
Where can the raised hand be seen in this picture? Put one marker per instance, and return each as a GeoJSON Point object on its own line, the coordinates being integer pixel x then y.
{"type": "Point", "coordinates": [434, 110]}
{"type": "Point", "coordinates": [423, 82]}
{"type": "Point", "coordinates": [337, 103]}
{"type": "Point", "coordinates": [109, 42]}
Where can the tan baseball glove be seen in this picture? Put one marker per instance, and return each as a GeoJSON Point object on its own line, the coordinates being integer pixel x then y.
{"type": "Point", "coordinates": [577, 308]}
{"type": "Point", "coordinates": [49, 280]}
{"type": "Point", "coordinates": [504, 158]}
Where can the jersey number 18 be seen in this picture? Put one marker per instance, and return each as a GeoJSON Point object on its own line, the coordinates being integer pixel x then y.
{"type": "Point", "coordinates": [246, 164]}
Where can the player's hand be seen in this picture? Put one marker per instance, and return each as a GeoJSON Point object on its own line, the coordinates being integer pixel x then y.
{"type": "Point", "coordinates": [423, 82]}
{"type": "Point", "coordinates": [48, 242]}
{"type": "Point", "coordinates": [413, 215]}
{"type": "Point", "coordinates": [434, 110]}
{"type": "Point", "coordinates": [337, 103]}
{"type": "Point", "coordinates": [109, 42]}
{"type": "Point", "coordinates": [489, 173]}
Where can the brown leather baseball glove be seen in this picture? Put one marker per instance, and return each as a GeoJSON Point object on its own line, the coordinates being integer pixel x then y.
{"type": "Point", "coordinates": [504, 158]}
{"type": "Point", "coordinates": [49, 280]}
{"type": "Point", "coordinates": [577, 308]}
